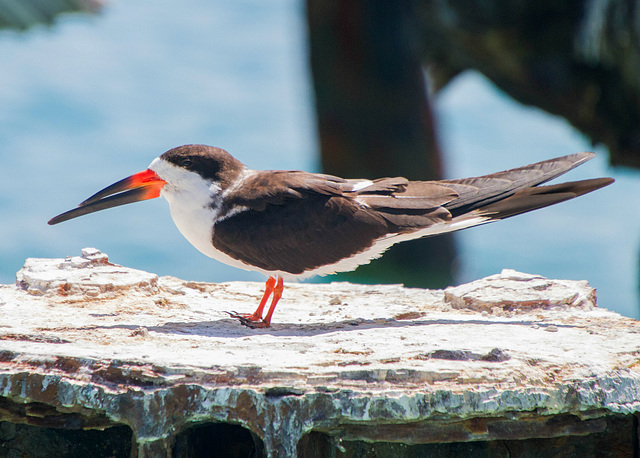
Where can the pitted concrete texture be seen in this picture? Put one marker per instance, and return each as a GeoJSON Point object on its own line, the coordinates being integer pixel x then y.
{"type": "Point", "coordinates": [89, 344]}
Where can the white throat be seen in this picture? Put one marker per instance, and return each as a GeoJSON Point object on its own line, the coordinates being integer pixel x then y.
{"type": "Point", "coordinates": [194, 204]}
{"type": "Point", "coordinates": [192, 201]}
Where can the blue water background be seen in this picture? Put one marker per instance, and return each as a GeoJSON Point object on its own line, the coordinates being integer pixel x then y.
{"type": "Point", "coordinates": [95, 99]}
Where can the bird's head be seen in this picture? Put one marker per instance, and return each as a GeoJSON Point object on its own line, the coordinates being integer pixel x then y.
{"type": "Point", "coordinates": [191, 169]}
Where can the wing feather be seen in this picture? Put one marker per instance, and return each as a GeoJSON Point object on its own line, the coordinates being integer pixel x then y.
{"type": "Point", "coordinates": [297, 222]}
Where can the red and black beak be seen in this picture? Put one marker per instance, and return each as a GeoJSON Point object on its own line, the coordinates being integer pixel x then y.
{"type": "Point", "coordinates": [141, 186]}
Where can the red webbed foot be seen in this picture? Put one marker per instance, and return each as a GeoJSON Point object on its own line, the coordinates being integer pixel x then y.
{"type": "Point", "coordinates": [255, 320]}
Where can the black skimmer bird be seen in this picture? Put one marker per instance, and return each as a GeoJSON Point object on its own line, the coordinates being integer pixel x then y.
{"type": "Point", "coordinates": [292, 224]}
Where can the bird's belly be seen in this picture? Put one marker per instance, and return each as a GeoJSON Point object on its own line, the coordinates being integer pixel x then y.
{"type": "Point", "coordinates": [196, 225]}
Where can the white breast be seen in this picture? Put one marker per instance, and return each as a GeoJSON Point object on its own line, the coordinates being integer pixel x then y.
{"type": "Point", "coordinates": [193, 205]}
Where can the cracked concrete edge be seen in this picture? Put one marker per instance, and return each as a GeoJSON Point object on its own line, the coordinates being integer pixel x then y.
{"type": "Point", "coordinates": [158, 414]}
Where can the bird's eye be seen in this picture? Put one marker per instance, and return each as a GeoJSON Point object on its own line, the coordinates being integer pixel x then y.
{"type": "Point", "coordinates": [187, 162]}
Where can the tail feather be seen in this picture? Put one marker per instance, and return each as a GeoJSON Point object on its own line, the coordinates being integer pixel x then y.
{"type": "Point", "coordinates": [536, 197]}
{"type": "Point", "coordinates": [480, 192]}
{"type": "Point", "coordinates": [425, 208]}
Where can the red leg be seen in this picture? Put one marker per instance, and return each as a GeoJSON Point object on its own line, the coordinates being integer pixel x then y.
{"type": "Point", "coordinates": [277, 294]}
{"type": "Point", "coordinates": [268, 289]}
{"type": "Point", "coordinates": [255, 320]}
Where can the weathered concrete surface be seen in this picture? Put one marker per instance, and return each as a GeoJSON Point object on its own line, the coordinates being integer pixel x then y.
{"type": "Point", "coordinates": [88, 344]}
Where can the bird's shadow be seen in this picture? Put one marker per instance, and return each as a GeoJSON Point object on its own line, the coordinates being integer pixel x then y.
{"type": "Point", "coordinates": [232, 328]}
